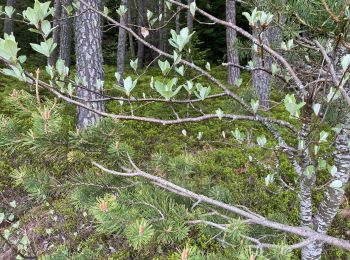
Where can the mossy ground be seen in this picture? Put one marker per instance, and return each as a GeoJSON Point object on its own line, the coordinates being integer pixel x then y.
{"type": "Point", "coordinates": [220, 165]}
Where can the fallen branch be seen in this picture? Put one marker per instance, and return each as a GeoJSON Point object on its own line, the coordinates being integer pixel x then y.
{"type": "Point", "coordinates": [253, 218]}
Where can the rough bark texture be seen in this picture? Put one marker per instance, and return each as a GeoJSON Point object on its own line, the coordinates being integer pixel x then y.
{"type": "Point", "coordinates": [332, 197]}
{"type": "Point", "coordinates": [306, 182]}
{"type": "Point", "coordinates": [8, 23]}
{"type": "Point", "coordinates": [66, 34]}
{"type": "Point", "coordinates": [162, 31]}
{"type": "Point", "coordinates": [89, 61]}
{"type": "Point", "coordinates": [231, 36]}
{"type": "Point", "coordinates": [141, 22]}
{"type": "Point", "coordinates": [261, 79]}
{"type": "Point", "coordinates": [131, 38]}
{"type": "Point", "coordinates": [189, 17]}
{"type": "Point", "coordinates": [121, 44]}
{"type": "Point", "coordinates": [177, 19]}
{"type": "Point", "coordinates": [56, 32]}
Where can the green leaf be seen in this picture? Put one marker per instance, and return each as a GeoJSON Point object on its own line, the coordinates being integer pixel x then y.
{"type": "Point", "coordinates": [291, 105]}
{"type": "Point", "coordinates": [193, 8]}
{"type": "Point", "coordinates": [45, 48]}
{"type": "Point", "coordinates": [336, 184]}
{"type": "Point", "coordinates": [164, 66]}
{"type": "Point", "coordinates": [46, 28]}
{"type": "Point", "coordinates": [316, 108]}
{"type": "Point", "coordinates": [207, 66]}
{"type": "Point", "coordinates": [6, 234]}
{"type": "Point", "coordinates": [345, 62]}
{"type": "Point", "coordinates": [219, 113]}
{"type": "Point", "coordinates": [9, 11]}
{"type": "Point", "coordinates": [309, 171]}
{"type": "Point", "coordinates": [2, 217]}
{"type": "Point", "coordinates": [261, 140]}
{"type": "Point", "coordinates": [122, 10]}
{"type": "Point", "coordinates": [323, 136]}
{"type": "Point", "coordinates": [269, 179]}
{"type": "Point", "coordinates": [134, 64]}
{"type": "Point", "coordinates": [255, 105]}
{"type": "Point", "coordinates": [180, 70]}
{"type": "Point", "coordinates": [13, 204]}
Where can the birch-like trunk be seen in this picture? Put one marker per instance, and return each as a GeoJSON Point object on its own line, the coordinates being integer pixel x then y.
{"type": "Point", "coordinates": [89, 61]}
{"type": "Point", "coordinates": [56, 32]}
{"type": "Point", "coordinates": [8, 23]}
{"type": "Point", "coordinates": [231, 36]}
{"type": "Point", "coordinates": [66, 33]}
{"type": "Point", "coordinates": [122, 44]}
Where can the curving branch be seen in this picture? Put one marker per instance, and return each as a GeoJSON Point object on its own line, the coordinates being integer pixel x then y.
{"type": "Point", "coordinates": [253, 218]}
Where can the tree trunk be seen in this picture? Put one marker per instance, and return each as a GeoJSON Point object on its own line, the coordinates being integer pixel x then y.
{"type": "Point", "coordinates": [89, 61]}
{"type": "Point", "coordinates": [261, 79]}
{"type": "Point", "coordinates": [231, 36]}
{"type": "Point", "coordinates": [333, 198]}
{"type": "Point", "coordinates": [177, 19]}
{"type": "Point", "coordinates": [66, 34]}
{"type": "Point", "coordinates": [56, 32]}
{"type": "Point", "coordinates": [140, 22]}
{"type": "Point", "coordinates": [189, 17]}
{"type": "Point", "coordinates": [121, 44]}
{"type": "Point", "coordinates": [131, 38]}
{"type": "Point", "coordinates": [161, 41]}
{"type": "Point", "coordinates": [8, 24]}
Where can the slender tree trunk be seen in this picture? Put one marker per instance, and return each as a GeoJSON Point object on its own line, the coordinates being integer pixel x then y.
{"type": "Point", "coordinates": [332, 197]}
{"type": "Point", "coordinates": [89, 61]}
{"type": "Point", "coordinates": [131, 38]}
{"type": "Point", "coordinates": [177, 19]}
{"type": "Point", "coordinates": [140, 22]}
{"type": "Point", "coordinates": [261, 79]}
{"type": "Point", "coordinates": [121, 44]}
{"type": "Point", "coordinates": [161, 41]}
{"type": "Point", "coordinates": [231, 36]}
{"type": "Point", "coordinates": [8, 24]}
{"type": "Point", "coordinates": [66, 34]}
{"type": "Point", "coordinates": [189, 17]}
{"type": "Point", "coordinates": [56, 32]}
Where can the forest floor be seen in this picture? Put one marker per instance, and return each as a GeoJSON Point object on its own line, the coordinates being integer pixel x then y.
{"type": "Point", "coordinates": [219, 165]}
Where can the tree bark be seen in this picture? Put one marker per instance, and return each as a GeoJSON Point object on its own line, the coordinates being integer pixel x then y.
{"type": "Point", "coordinates": [333, 198]}
{"type": "Point", "coordinates": [89, 61]}
{"type": "Point", "coordinates": [162, 32]}
{"type": "Point", "coordinates": [8, 23]}
{"type": "Point", "coordinates": [140, 22]}
{"type": "Point", "coordinates": [131, 38]}
{"type": "Point", "coordinates": [177, 18]}
{"type": "Point", "coordinates": [121, 44]}
{"type": "Point", "coordinates": [261, 79]}
{"type": "Point", "coordinates": [56, 32]}
{"type": "Point", "coordinates": [66, 34]}
{"type": "Point", "coordinates": [231, 37]}
{"type": "Point", "coordinates": [189, 17]}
